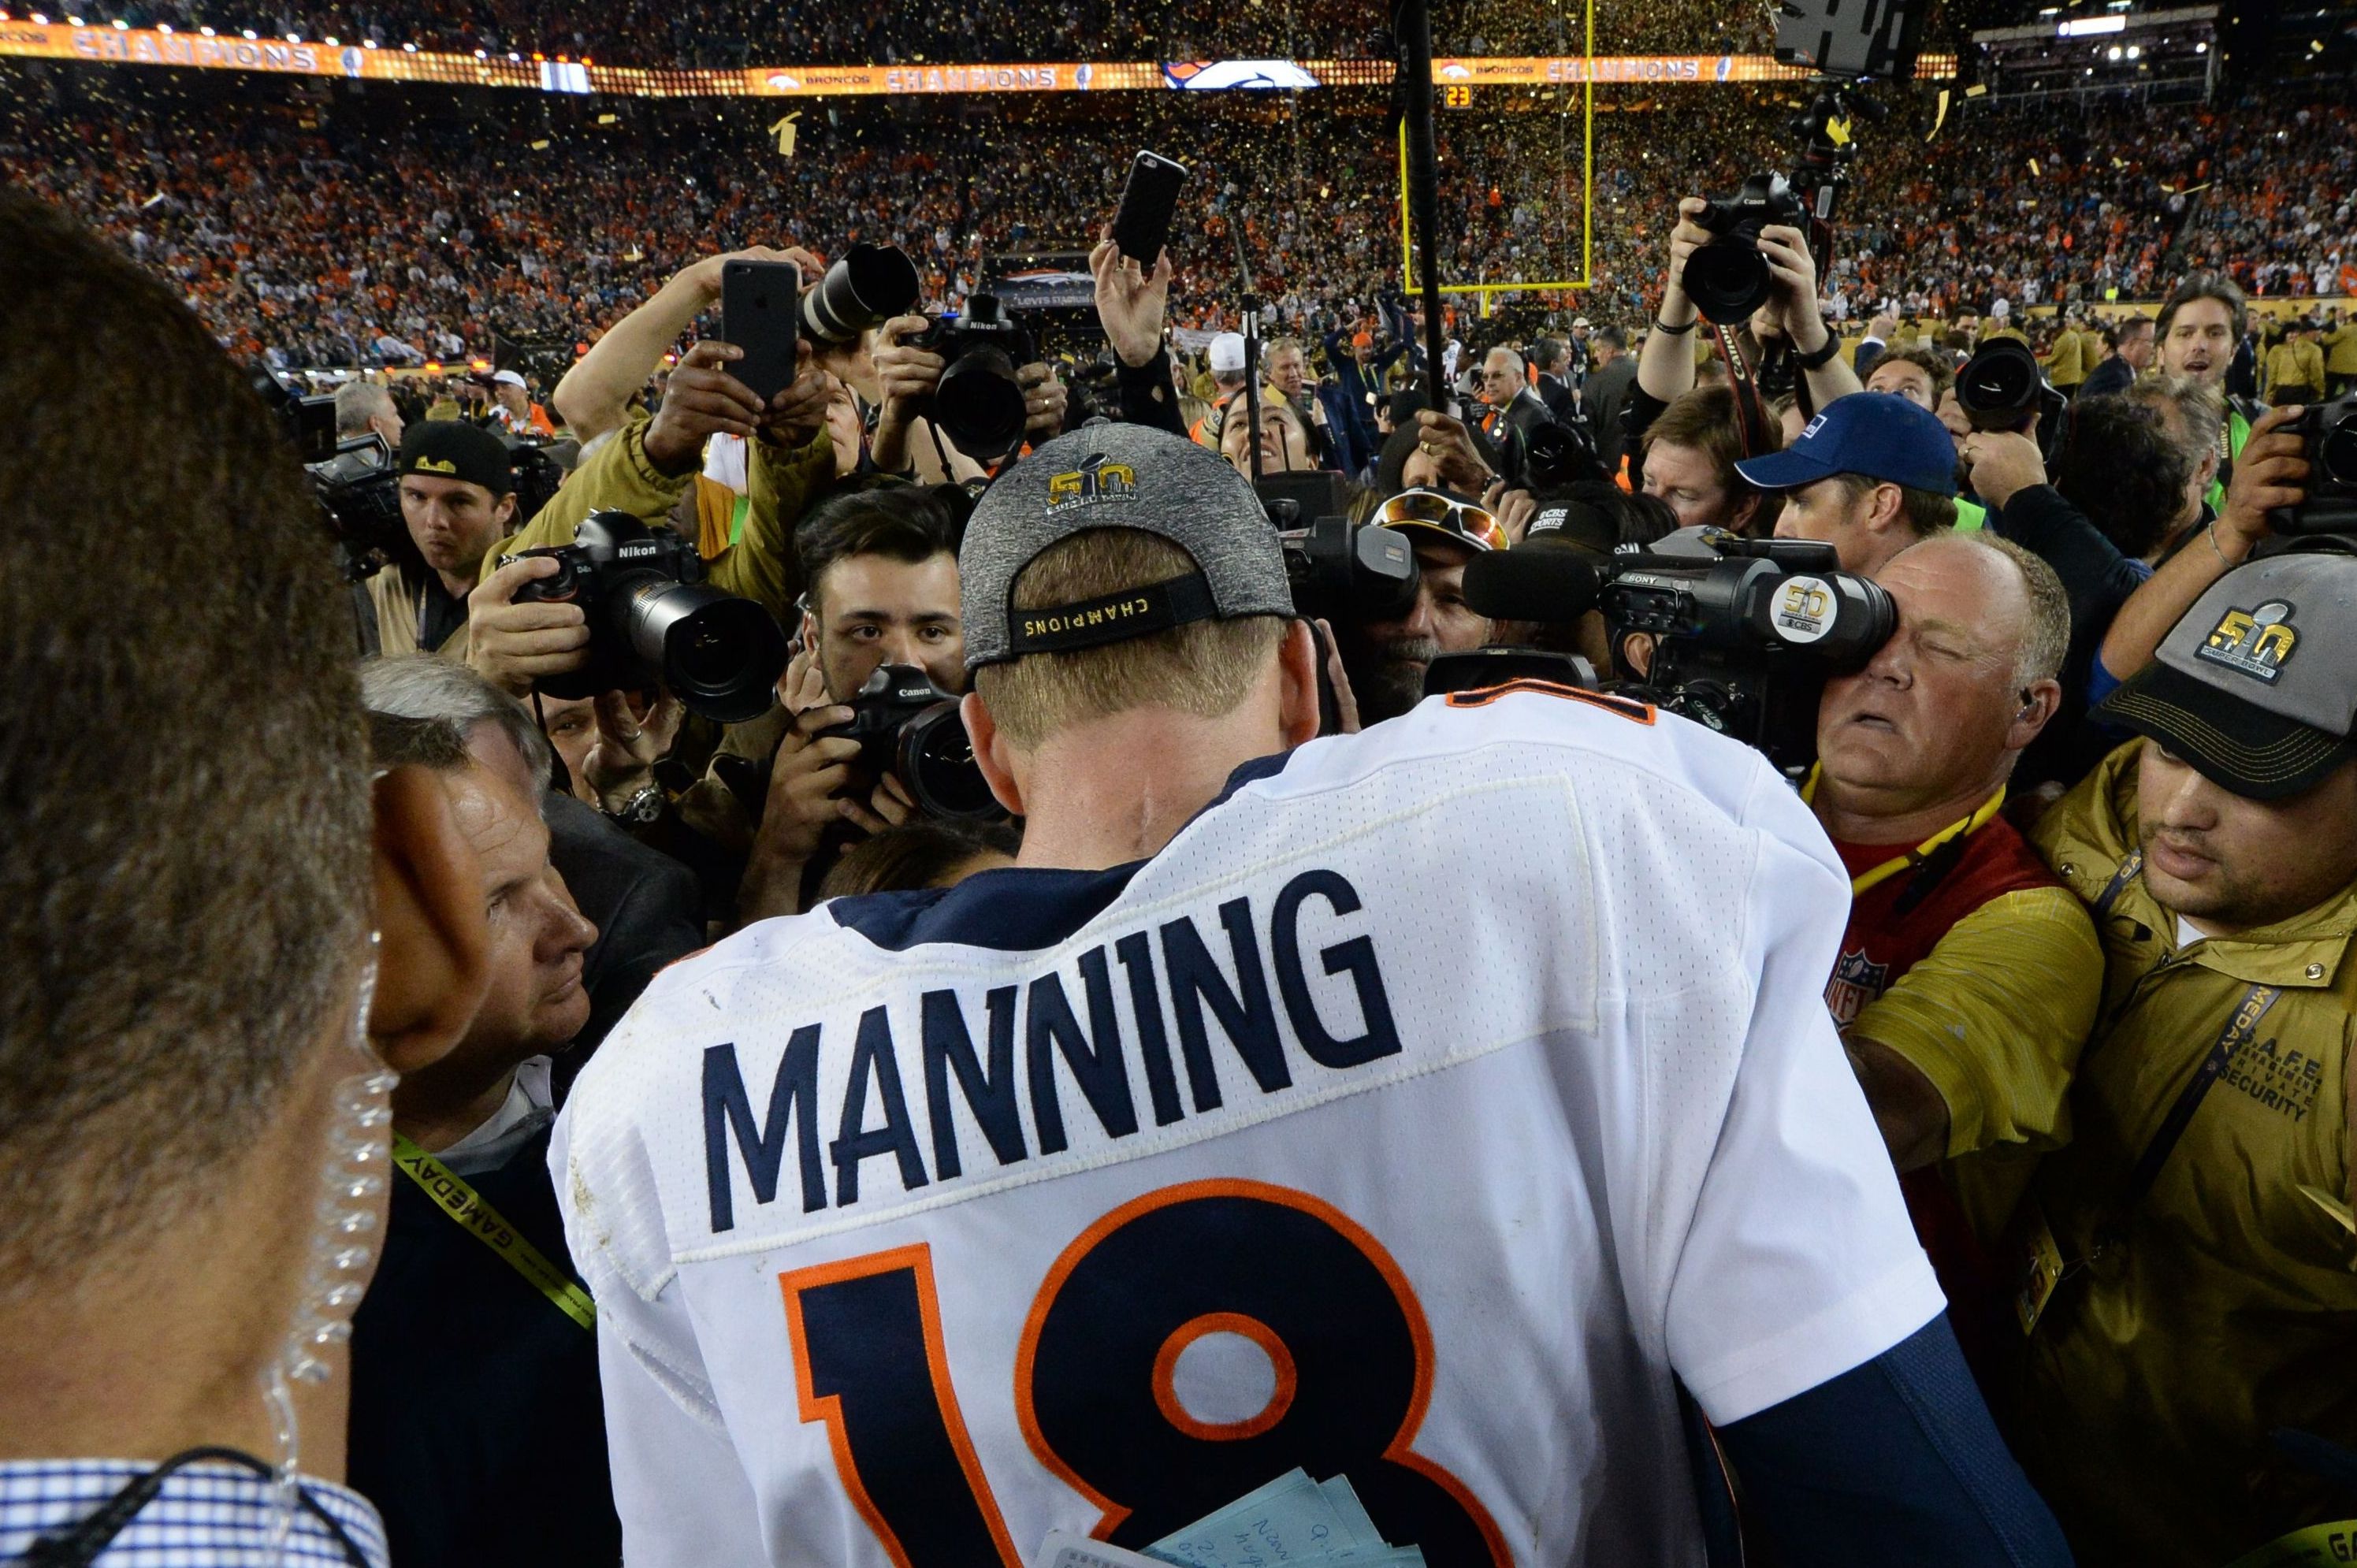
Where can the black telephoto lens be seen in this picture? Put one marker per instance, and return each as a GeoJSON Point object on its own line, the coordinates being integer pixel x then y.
{"type": "Point", "coordinates": [719, 654]}
{"type": "Point", "coordinates": [1728, 280]}
{"type": "Point", "coordinates": [936, 761]}
{"type": "Point", "coordinates": [979, 403]}
{"type": "Point", "coordinates": [866, 288]}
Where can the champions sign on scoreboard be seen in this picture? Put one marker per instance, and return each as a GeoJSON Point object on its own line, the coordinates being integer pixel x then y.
{"type": "Point", "coordinates": [141, 46]}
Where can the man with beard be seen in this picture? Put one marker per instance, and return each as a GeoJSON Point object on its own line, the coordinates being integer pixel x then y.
{"type": "Point", "coordinates": [2202, 330]}
{"type": "Point", "coordinates": [1386, 660]}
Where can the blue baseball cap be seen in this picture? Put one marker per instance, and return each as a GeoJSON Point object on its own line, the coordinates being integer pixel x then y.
{"type": "Point", "coordinates": [1878, 435]}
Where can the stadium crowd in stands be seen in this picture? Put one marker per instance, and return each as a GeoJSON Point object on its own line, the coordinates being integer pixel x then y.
{"type": "Point", "coordinates": [2082, 746]}
{"type": "Point", "coordinates": [340, 236]}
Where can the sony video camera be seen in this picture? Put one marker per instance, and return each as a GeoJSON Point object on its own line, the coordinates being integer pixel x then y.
{"type": "Point", "coordinates": [978, 402]}
{"type": "Point", "coordinates": [1745, 639]}
{"type": "Point", "coordinates": [2328, 432]}
{"type": "Point", "coordinates": [652, 620]}
{"type": "Point", "coordinates": [358, 492]}
{"type": "Point", "coordinates": [907, 726]}
{"type": "Point", "coordinates": [2002, 387]}
{"type": "Point", "coordinates": [1729, 278]}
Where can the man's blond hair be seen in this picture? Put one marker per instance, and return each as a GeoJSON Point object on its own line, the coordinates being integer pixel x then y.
{"type": "Point", "coordinates": [1205, 668]}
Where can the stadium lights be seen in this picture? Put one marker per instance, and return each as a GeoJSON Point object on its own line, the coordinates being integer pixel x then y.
{"type": "Point", "coordinates": [123, 24]}
{"type": "Point", "coordinates": [293, 38]}
{"type": "Point", "coordinates": [206, 32]}
{"type": "Point", "coordinates": [39, 20]}
{"type": "Point", "coordinates": [73, 21]}
{"type": "Point", "coordinates": [482, 54]}
{"type": "Point", "coordinates": [2201, 48]}
{"type": "Point", "coordinates": [332, 41]}
{"type": "Point", "coordinates": [409, 49]}
{"type": "Point", "coordinates": [367, 43]}
{"type": "Point", "coordinates": [2135, 52]}
{"type": "Point", "coordinates": [251, 34]}
{"type": "Point", "coordinates": [160, 27]}
{"type": "Point", "coordinates": [2112, 53]}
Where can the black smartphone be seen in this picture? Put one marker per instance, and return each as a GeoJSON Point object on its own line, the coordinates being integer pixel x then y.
{"type": "Point", "coordinates": [760, 313]}
{"type": "Point", "coordinates": [1141, 227]}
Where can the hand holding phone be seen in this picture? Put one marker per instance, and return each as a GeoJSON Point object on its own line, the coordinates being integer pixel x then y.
{"type": "Point", "coordinates": [760, 313]}
{"type": "Point", "coordinates": [1141, 227]}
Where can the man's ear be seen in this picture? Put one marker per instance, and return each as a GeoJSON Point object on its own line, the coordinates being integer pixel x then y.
{"type": "Point", "coordinates": [1296, 666]}
{"type": "Point", "coordinates": [433, 960]}
{"type": "Point", "coordinates": [2039, 702]}
{"type": "Point", "coordinates": [992, 753]}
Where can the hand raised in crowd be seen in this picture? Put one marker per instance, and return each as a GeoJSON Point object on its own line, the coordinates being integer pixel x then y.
{"type": "Point", "coordinates": [1130, 301]}
{"type": "Point", "coordinates": [704, 276]}
{"type": "Point", "coordinates": [1450, 446]}
{"type": "Point", "coordinates": [2271, 472]}
{"type": "Point", "coordinates": [1687, 236]}
{"type": "Point", "coordinates": [2003, 463]}
{"type": "Point", "coordinates": [1346, 702]}
{"type": "Point", "coordinates": [1044, 398]}
{"type": "Point", "coordinates": [1883, 327]}
{"type": "Point", "coordinates": [632, 736]}
{"type": "Point", "coordinates": [512, 645]}
{"type": "Point", "coordinates": [1792, 278]}
{"type": "Point", "coordinates": [701, 400]}
{"type": "Point", "coordinates": [798, 414]}
{"type": "Point", "coordinates": [1512, 508]}
{"type": "Point", "coordinates": [909, 375]}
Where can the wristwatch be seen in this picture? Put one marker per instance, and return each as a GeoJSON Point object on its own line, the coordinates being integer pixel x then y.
{"type": "Point", "coordinates": [642, 808]}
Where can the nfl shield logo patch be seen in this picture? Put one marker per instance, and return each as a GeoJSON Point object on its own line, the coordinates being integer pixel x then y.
{"type": "Point", "coordinates": [1856, 983]}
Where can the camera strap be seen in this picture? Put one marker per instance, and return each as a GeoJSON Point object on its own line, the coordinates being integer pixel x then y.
{"type": "Point", "coordinates": [1750, 412]}
{"type": "Point", "coordinates": [452, 1195]}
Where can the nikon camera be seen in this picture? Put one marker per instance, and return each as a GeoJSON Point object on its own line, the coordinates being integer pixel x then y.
{"type": "Point", "coordinates": [654, 622]}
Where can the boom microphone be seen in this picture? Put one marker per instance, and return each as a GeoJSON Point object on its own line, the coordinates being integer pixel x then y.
{"type": "Point", "coordinates": [1534, 582]}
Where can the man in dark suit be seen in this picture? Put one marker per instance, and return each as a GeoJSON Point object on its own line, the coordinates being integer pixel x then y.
{"type": "Point", "coordinates": [1612, 371]}
{"type": "Point", "coordinates": [2130, 342]}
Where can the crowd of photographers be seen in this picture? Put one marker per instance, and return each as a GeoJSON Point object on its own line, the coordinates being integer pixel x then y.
{"type": "Point", "coordinates": [2054, 638]}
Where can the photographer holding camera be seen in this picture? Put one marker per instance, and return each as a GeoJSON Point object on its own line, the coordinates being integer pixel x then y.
{"type": "Point", "coordinates": [458, 497]}
{"type": "Point", "coordinates": [883, 575]}
{"type": "Point", "coordinates": [1968, 975]}
{"type": "Point", "coordinates": [1788, 310]}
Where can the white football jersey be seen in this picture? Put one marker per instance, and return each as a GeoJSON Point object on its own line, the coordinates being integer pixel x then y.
{"type": "Point", "coordinates": [1430, 1102]}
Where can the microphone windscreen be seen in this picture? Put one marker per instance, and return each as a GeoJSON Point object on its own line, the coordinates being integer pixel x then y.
{"type": "Point", "coordinates": [1534, 582]}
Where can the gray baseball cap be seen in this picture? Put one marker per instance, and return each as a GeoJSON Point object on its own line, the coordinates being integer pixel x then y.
{"type": "Point", "coordinates": [2256, 685]}
{"type": "Point", "coordinates": [1116, 476]}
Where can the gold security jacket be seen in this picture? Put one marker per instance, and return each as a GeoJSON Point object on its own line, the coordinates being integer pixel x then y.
{"type": "Point", "coordinates": [618, 477]}
{"type": "Point", "coordinates": [2223, 1305]}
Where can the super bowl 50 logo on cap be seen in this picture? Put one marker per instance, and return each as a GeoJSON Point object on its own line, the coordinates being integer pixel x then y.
{"type": "Point", "coordinates": [2256, 643]}
{"type": "Point", "coordinates": [1094, 480]}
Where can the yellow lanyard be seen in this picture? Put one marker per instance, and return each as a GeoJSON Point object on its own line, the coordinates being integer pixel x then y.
{"type": "Point", "coordinates": [462, 1203]}
{"type": "Point", "coordinates": [1961, 828]}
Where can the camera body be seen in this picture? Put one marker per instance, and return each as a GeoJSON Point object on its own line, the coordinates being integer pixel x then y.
{"type": "Point", "coordinates": [1346, 573]}
{"type": "Point", "coordinates": [2328, 432]}
{"type": "Point", "coordinates": [2002, 386]}
{"type": "Point", "coordinates": [358, 492]}
{"type": "Point", "coordinates": [1745, 637]}
{"type": "Point", "coordinates": [907, 726]}
{"type": "Point", "coordinates": [1729, 278]}
{"type": "Point", "coordinates": [654, 622]}
{"type": "Point", "coordinates": [978, 402]}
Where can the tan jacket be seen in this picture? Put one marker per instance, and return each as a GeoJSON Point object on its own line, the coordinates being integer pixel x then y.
{"type": "Point", "coordinates": [2223, 1305]}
